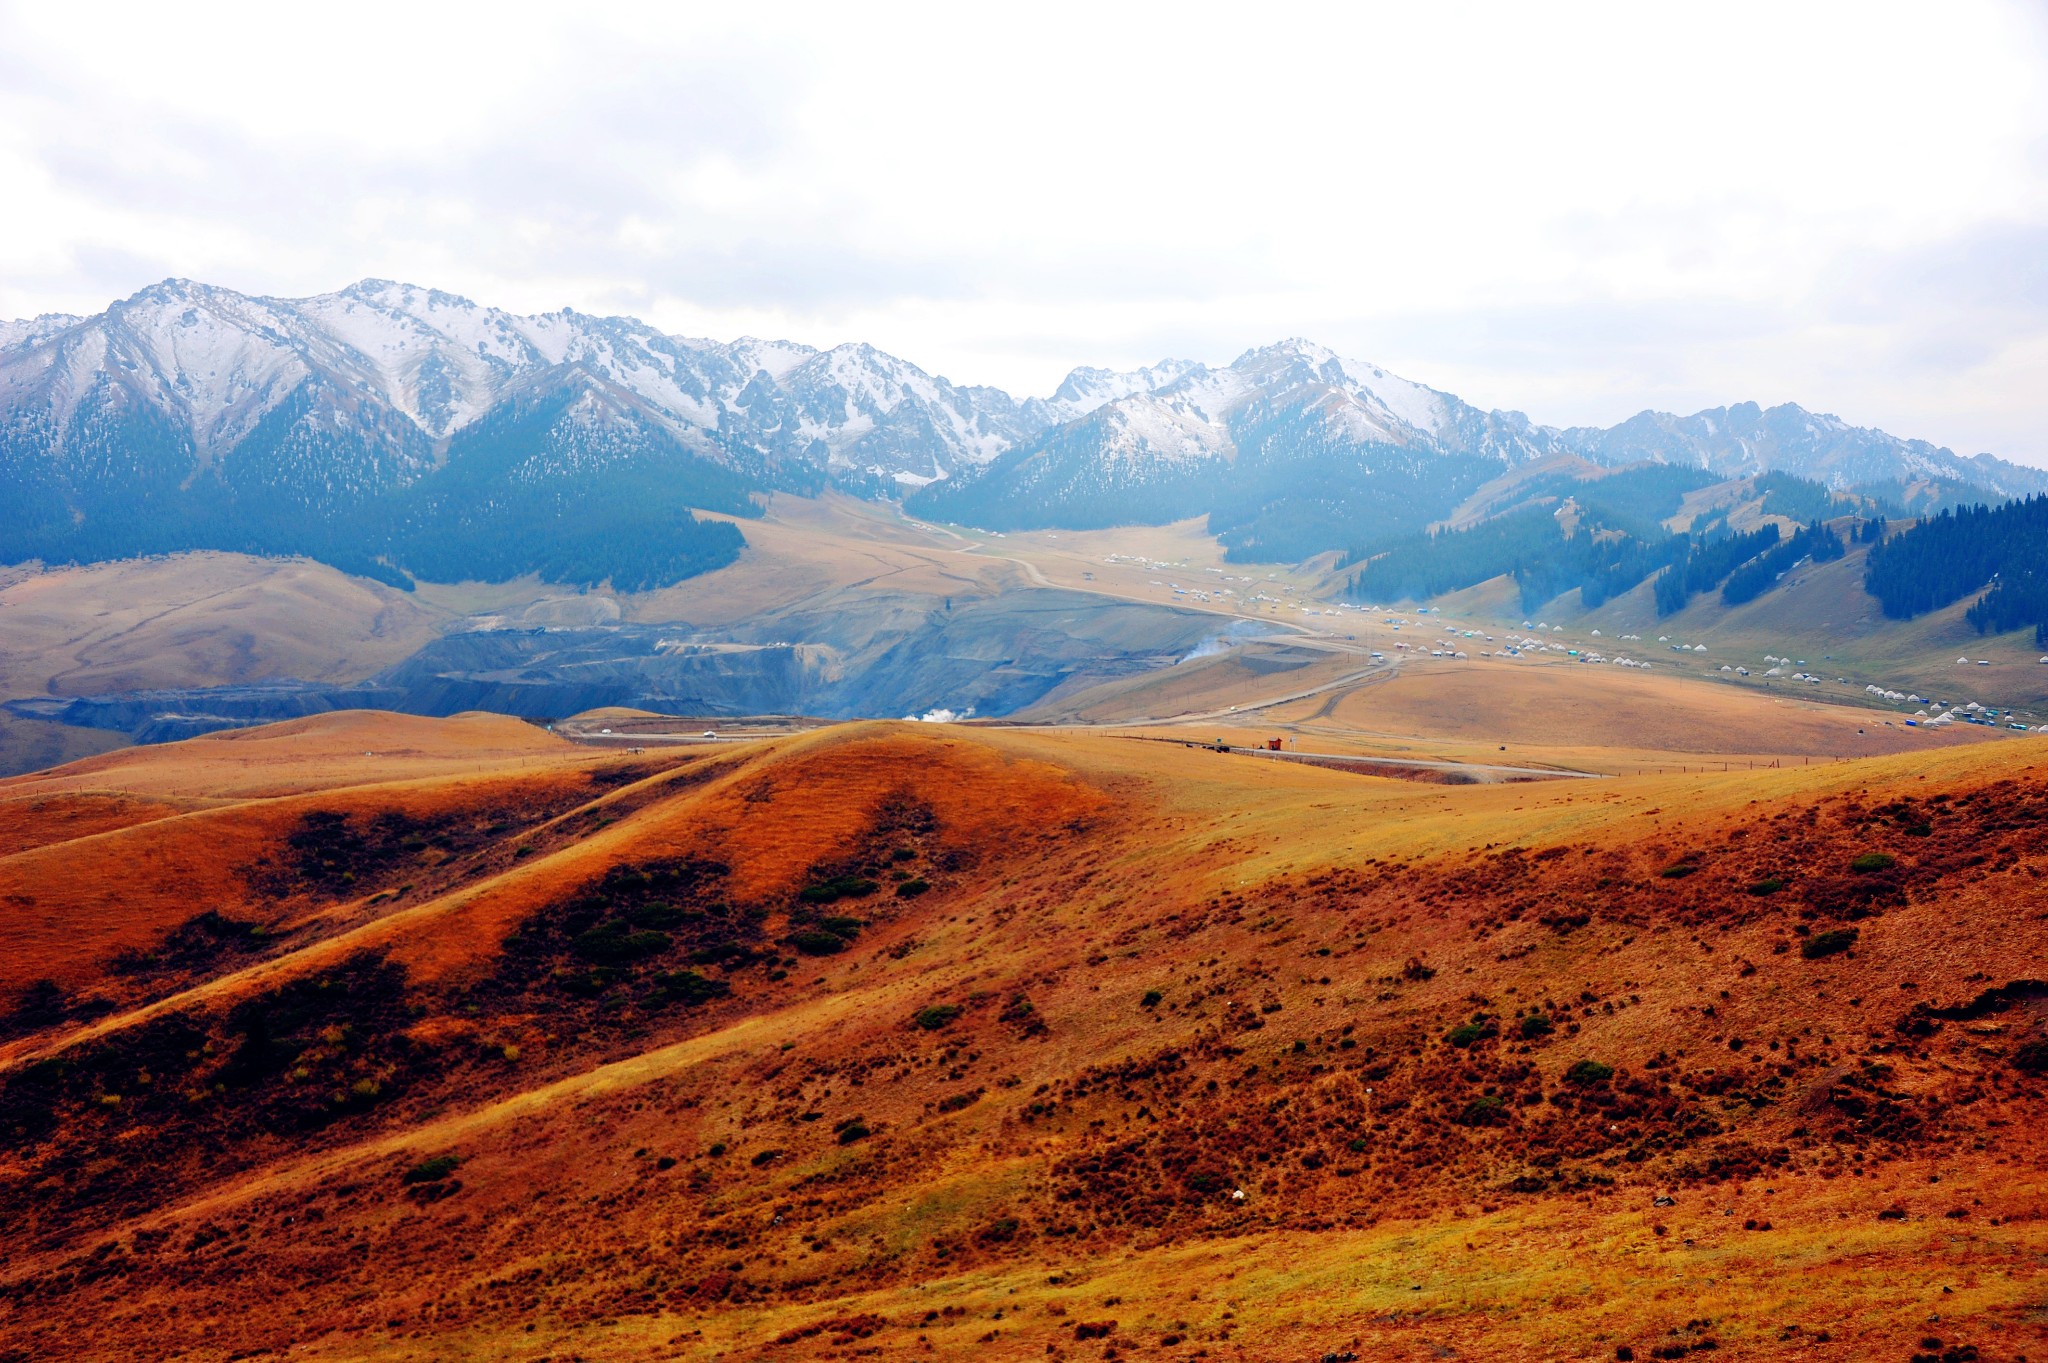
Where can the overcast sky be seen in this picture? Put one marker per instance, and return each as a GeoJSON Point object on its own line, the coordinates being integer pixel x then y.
{"type": "Point", "coordinates": [1577, 211]}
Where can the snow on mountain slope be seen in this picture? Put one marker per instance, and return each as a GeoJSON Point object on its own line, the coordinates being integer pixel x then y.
{"type": "Point", "coordinates": [868, 411]}
{"type": "Point", "coordinates": [1087, 388]}
{"type": "Point", "coordinates": [438, 358]}
{"type": "Point", "coordinates": [1297, 401]}
{"type": "Point", "coordinates": [1747, 439]}
{"type": "Point", "coordinates": [1179, 428]}
{"type": "Point", "coordinates": [216, 364]}
{"type": "Point", "coordinates": [366, 387]}
{"type": "Point", "coordinates": [1362, 400]}
{"type": "Point", "coordinates": [774, 358]}
{"type": "Point", "coordinates": [212, 361]}
{"type": "Point", "coordinates": [30, 330]}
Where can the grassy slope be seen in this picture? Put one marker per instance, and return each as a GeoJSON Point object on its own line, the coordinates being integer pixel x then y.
{"type": "Point", "coordinates": [1820, 614]}
{"type": "Point", "coordinates": [199, 619]}
{"type": "Point", "coordinates": [1028, 1169]}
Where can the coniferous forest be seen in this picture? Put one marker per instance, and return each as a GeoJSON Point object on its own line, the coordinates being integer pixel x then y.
{"type": "Point", "coordinates": [514, 495]}
{"type": "Point", "coordinates": [1811, 541]}
{"type": "Point", "coordinates": [2001, 551]}
{"type": "Point", "coordinates": [1615, 541]}
{"type": "Point", "coordinates": [1528, 544]}
{"type": "Point", "coordinates": [1707, 565]}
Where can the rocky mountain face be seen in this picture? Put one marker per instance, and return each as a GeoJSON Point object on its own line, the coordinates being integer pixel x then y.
{"type": "Point", "coordinates": [387, 427]}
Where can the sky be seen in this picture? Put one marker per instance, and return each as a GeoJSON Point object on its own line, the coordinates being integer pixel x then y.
{"type": "Point", "coordinates": [1572, 210]}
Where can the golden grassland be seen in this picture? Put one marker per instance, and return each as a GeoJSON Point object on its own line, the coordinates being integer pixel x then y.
{"type": "Point", "coordinates": [1004, 1113]}
{"type": "Point", "coordinates": [198, 619]}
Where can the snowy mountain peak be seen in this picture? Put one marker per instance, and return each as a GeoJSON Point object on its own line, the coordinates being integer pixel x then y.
{"type": "Point", "coordinates": [1293, 349]}
{"type": "Point", "coordinates": [1087, 388]}
{"type": "Point", "coordinates": [376, 382]}
{"type": "Point", "coordinates": [170, 290]}
{"type": "Point", "coordinates": [29, 330]}
{"type": "Point", "coordinates": [774, 358]}
{"type": "Point", "coordinates": [217, 364]}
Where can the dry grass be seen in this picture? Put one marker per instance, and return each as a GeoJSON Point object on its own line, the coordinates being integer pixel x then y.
{"type": "Point", "coordinates": [1275, 909]}
{"type": "Point", "coordinates": [198, 619]}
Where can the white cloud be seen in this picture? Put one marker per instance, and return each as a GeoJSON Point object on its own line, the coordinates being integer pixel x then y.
{"type": "Point", "coordinates": [1572, 210]}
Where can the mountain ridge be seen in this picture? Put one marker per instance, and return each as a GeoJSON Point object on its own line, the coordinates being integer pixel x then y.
{"type": "Point", "coordinates": [359, 425]}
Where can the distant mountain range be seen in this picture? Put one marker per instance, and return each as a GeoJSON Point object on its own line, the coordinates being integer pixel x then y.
{"type": "Point", "coordinates": [392, 429]}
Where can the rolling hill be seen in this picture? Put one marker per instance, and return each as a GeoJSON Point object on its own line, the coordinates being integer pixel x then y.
{"type": "Point", "coordinates": [918, 1039]}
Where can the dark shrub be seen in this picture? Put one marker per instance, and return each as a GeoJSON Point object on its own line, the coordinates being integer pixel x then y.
{"type": "Point", "coordinates": [1873, 861]}
{"type": "Point", "coordinates": [839, 887]}
{"type": "Point", "coordinates": [713, 952]}
{"type": "Point", "coordinates": [1469, 1033]}
{"type": "Point", "coordinates": [855, 1130]}
{"type": "Point", "coordinates": [764, 1158]}
{"type": "Point", "coordinates": [1486, 1110]}
{"type": "Point", "coordinates": [40, 1005]}
{"type": "Point", "coordinates": [656, 916]}
{"type": "Point", "coordinates": [841, 926]}
{"type": "Point", "coordinates": [617, 943]}
{"type": "Point", "coordinates": [937, 1016]}
{"type": "Point", "coordinates": [1678, 872]}
{"type": "Point", "coordinates": [1152, 999]}
{"type": "Point", "coordinates": [688, 987]}
{"type": "Point", "coordinates": [912, 888]}
{"type": "Point", "coordinates": [431, 1170]}
{"type": "Point", "coordinates": [2032, 1057]}
{"type": "Point", "coordinates": [1768, 885]}
{"type": "Point", "coordinates": [814, 942]}
{"type": "Point", "coordinates": [1588, 1072]}
{"type": "Point", "coordinates": [1535, 1025]}
{"type": "Point", "coordinates": [1829, 943]}
{"type": "Point", "coordinates": [587, 984]}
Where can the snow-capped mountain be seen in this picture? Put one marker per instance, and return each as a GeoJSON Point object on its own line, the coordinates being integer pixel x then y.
{"type": "Point", "coordinates": [362, 424]}
{"type": "Point", "coordinates": [1280, 422]}
{"type": "Point", "coordinates": [1087, 388]}
{"type": "Point", "coordinates": [1309, 447]}
{"type": "Point", "coordinates": [1746, 439]}
{"type": "Point", "coordinates": [855, 408]}
{"type": "Point", "coordinates": [35, 328]}
{"type": "Point", "coordinates": [358, 424]}
{"type": "Point", "coordinates": [1324, 400]}
{"type": "Point", "coordinates": [215, 365]}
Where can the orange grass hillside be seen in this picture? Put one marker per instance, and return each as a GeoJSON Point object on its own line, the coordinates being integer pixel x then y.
{"type": "Point", "coordinates": [919, 1040]}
